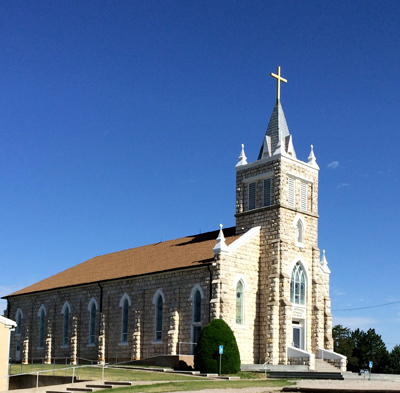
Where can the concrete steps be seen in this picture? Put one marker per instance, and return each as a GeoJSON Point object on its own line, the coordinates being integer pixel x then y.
{"type": "Point", "coordinates": [323, 366]}
{"type": "Point", "coordinates": [305, 375]}
{"type": "Point", "coordinates": [118, 383]}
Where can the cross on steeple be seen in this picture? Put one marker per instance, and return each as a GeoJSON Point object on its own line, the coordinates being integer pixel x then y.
{"type": "Point", "coordinates": [279, 79]}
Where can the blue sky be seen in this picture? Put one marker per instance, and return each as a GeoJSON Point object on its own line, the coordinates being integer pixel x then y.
{"type": "Point", "coordinates": [121, 124]}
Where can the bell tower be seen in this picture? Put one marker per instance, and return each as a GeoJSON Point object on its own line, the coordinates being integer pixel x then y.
{"type": "Point", "coordinates": [279, 193]}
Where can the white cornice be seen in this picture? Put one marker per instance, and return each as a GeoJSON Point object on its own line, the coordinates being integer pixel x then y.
{"type": "Point", "coordinates": [243, 239]}
{"type": "Point", "coordinates": [299, 177]}
{"type": "Point", "coordinates": [273, 158]}
{"type": "Point", "coordinates": [258, 177]}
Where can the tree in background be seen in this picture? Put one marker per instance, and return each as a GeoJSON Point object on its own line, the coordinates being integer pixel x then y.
{"type": "Point", "coordinates": [360, 348]}
{"type": "Point", "coordinates": [368, 346]}
{"type": "Point", "coordinates": [342, 341]}
{"type": "Point", "coordinates": [393, 361]}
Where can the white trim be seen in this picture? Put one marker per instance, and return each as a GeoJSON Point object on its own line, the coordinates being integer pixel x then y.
{"type": "Point", "coordinates": [92, 300]}
{"type": "Point", "coordinates": [42, 307]}
{"type": "Point", "coordinates": [66, 305]}
{"type": "Point", "coordinates": [125, 296]}
{"type": "Point", "coordinates": [298, 177]}
{"type": "Point", "coordinates": [18, 311]}
{"type": "Point", "coordinates": [258, 162]}
{"type": "Point", "coordinates": [273, 158]}
{"type": "Point", "coordinates": [197, 287]}
{"type": "Point", "coordinates": [297, 218]}
{"type": "Point", "coordinates": [243, 239]}
{"type": "Point", "coordinates": [258, 177]}
{"type": "Point", "coordinates": [159, 292]}
{"type": "Point", "coordinates": [239, 277]}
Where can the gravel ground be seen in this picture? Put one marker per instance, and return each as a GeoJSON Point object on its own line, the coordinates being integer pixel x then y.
{"type": "Point", "coordinates": [357, 386]}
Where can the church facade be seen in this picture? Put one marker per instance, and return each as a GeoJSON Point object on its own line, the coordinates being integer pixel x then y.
{"type": "Point", "coordinates": [265, 277]}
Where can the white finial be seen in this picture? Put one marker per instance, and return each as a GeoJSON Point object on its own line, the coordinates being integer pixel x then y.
{"type": "Point", "coordinates": [324, 263]}
{"type": "Point", "coordinates": [242, 158]}
{"type": "Point", "coordinates": [312, 161]}
{"type": "Point", "coordinates": [221, 245]}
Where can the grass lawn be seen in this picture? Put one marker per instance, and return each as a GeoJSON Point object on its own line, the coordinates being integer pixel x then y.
{"type": "Point", "coordinates": [165, 382]}
{"type": "Point", "coordinates": [200, 385]}
{"type": "Point", "coordinates": [96, 373]}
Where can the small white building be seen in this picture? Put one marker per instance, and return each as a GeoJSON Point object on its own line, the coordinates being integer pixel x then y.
{"type": "Point", "coordinates": [6, 327]}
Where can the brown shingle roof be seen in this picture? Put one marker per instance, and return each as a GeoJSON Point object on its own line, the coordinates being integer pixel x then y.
{"type": "Point", "coordinates": [172, 254]}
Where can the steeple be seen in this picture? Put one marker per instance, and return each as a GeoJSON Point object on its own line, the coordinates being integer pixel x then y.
{"type": "Point", "coordinates": [277, 139]}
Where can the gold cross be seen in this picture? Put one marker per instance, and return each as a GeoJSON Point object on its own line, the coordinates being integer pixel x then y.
{"type": "Point", "coordinates": [279, 79]}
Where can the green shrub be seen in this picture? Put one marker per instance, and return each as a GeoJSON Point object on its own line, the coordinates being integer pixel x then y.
{"type": "Point", "coordinates": [206, 354]}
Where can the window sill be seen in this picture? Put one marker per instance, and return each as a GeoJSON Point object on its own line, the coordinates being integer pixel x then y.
{"type": "Point", "coordinates": [157, 342]}
{"type": "Point", "coordinates": [64, 346]}
{"type": "Point", "coordinates": [90, 345]}
{"type": "Point", "coordinates": [123, 343]}
{"type": "Point", "coordinates": [300, 245]}
{"type": "Point", "coordinates": [40, 348]}
{"type": "Point", "coordinates": [243, 327]}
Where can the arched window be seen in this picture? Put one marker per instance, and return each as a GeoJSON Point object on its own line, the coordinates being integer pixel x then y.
{"type": "Point", "coordinates": [92, 323]}
{"type": "Point", "coordinates": [197, 307]}
{"type": "Point", "coordinates": [239, 302]}
{"type": "Point", "coordinates": [18, 319]}
{"type": "Point", "coordinates": [124, 330]}
{"type": "Point", "coordinates": [159, 317]}
{"type": "Point", "coordinates": [65, 329]}
{"type": "Point", "coordinates": [299, 232]}
{"type": "Point", "coordinates": [66, 310]}
{"type": "Point", "coordinates": [41, 315]}
{"type": "Point", "coordinates": [124, 303]}
{"type": "Point", "coordinates": [298, 285]}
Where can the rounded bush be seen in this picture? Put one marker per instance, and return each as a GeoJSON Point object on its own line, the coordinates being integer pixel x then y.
{"type": "Point", "coordinates": [206, 354]}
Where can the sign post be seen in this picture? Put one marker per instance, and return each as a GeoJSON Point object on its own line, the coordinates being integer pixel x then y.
{"type": "Point", "coordinates": [370, 368]}
{"type": "Point", "coordinates": [221, 351]}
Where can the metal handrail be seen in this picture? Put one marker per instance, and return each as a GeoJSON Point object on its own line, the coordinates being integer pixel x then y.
{"type": "Point", "coordinates": [66, 368]}
{"type": "Point", "coordinates": [264, 366]}
{"type": "Point", "coordinates": [183, 342]}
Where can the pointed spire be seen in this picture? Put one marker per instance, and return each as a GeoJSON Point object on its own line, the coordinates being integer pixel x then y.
{"type": "Point", "coordinates": [266, 149]}
{"type": "Point", "coordinates": [324, 263]}
{"type": "Point", "coordinates": [221, 246]}
{"type": "Point", "coordinates": [277, 129]}
{"type": "Point", "coordinates": [242, 158]}
{"type": "Point", "coordinates": [312, 161]}
{"type": "Point", "coordinates": [289, 147]}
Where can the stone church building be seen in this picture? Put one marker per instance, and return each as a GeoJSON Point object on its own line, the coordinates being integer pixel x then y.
{"type": "Point", "coordinates": [265, 277]}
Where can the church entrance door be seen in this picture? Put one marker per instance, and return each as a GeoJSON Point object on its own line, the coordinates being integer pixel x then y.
{"type": "Point", "coordinates": [196, 330]}
{"type": "Point", "coordinates": [296, 337]}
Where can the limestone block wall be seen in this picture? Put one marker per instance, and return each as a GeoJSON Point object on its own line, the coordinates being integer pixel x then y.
{"type": "Point", "coordinates": [176, 288]}
{"type": "Point", "coordinates": [243, 263]}
{"type": "Point", "coordinates": [280, 251]}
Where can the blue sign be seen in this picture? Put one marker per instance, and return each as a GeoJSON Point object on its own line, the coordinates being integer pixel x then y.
{"type": "Point", "coordinates": [221, 349]}
{"type": "Point", "coordinates": [370, 364]}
